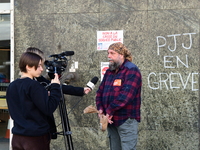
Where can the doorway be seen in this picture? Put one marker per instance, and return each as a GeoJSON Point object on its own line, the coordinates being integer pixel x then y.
{"type": "Point", "coordinates": [5, 46]}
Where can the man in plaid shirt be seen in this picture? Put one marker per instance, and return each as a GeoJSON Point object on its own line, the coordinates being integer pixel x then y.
{"type": "Point", "coordinates": [119, 98]}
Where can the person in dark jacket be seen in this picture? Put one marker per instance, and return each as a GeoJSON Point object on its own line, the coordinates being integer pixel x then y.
{"type": "Point", "coordinates": [30, 104]}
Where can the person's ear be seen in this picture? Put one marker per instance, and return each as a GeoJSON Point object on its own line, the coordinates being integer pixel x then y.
{"type": "Point", "coordinates": [28, 68]}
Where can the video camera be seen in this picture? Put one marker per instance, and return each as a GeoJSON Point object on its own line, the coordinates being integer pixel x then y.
{"type": "Point", "coordinates": [58, 64]}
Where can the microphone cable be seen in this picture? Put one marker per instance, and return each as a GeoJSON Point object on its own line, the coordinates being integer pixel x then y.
{"type": "Point", "coordinates": [73, 108]}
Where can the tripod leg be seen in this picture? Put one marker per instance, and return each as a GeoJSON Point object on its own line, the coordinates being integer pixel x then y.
{"type": "Point", "coordinates": [65, 125]}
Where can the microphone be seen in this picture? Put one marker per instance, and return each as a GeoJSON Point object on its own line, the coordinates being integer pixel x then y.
{"type": "Point", "coordinates": [91, 84]}
{"type": "Point", "coordinates": [67, 53]}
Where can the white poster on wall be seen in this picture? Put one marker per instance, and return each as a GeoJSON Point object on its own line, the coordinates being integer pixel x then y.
{"type": "Point", "coordinates": [104, 67]}
{"type": "Point", "coordinates": [106, 38]}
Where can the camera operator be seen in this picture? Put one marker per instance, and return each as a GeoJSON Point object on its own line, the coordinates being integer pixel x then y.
{"type": "Point", "coordinates": [29, 105]}
{"type": "Point", "coordinates": [67, 89]}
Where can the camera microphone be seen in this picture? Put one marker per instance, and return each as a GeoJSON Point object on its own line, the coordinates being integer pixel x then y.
{"type": "Point", "coordinates": [91, 84]}
{"type": "Point", "coordinates": [67, 53]}
{"type": "Point", "coordinates": [61, 55]}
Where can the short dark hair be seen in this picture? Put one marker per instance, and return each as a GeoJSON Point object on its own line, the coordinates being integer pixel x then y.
{"type": "Point", "coordinates": [36, 51]}
{"type": "Point", "coordinates": [30, 59]}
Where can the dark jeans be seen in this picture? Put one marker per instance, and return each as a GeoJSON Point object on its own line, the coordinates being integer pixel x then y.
{"type": "Point", "coordinates": [20, 142]}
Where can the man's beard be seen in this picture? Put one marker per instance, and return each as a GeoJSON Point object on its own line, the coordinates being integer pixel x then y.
{"type": "Point", "coordinates": [113, 65]}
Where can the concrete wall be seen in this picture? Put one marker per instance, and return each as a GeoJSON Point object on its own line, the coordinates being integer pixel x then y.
{"type": "Point", "coordinates": [164, 39]}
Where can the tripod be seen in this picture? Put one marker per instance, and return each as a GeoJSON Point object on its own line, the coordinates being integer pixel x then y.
{"type": "Point", "coordinates": [65, 124]}
{"type": "Point", "coordinates": [58, 65]}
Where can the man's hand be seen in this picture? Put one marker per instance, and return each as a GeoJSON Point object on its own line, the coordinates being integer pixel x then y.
{"type": "Point", "coordinates": [109, 118]}
{"type": "Point", "coordinates": [100, 113]}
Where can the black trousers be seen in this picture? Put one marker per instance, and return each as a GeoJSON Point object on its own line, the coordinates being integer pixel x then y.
{"type": "Point", "coordinates": [20, 142]}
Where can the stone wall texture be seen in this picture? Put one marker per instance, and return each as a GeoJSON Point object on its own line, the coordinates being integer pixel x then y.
{"type": "Point", "coordinates": [163, 37]}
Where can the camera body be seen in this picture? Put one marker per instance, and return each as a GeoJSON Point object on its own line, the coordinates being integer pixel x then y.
{"type": "Point", "coordinates": [58, 64]}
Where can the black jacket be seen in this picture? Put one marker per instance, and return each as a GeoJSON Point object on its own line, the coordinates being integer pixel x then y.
{"type": "Point", "coordinates": [30, 106]}
{"type": "Point", "coordinates": [67, 89]}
